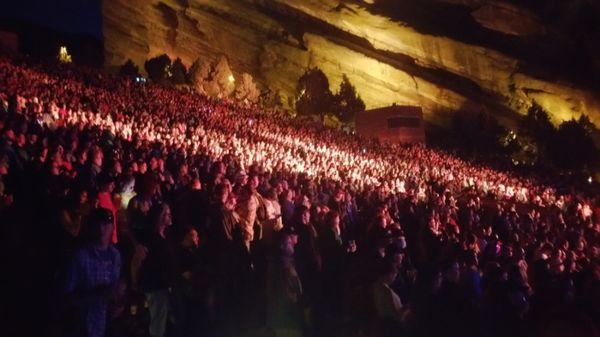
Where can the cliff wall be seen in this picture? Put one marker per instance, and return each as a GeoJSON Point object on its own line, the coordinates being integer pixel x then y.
{"type": "Point", "coordinates": [443, 55]}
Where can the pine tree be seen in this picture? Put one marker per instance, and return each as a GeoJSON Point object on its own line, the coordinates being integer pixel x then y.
{"type": "Point", "coordinates": [158, 68]}
{"type": "Point", "coordinates": [537, 126]}
{"type": "Point", "coordinates": [347, 102]}
{"type": "Point", "coordinates": [129, 69]}
{"type": "Point", "coordinates": [178, 72]}
{"type": "Point", "coordinates": [313, 95]}
{"type": "Point", "coordinates": [587, 124]}
{"type": "Point", "coordinates": [573, 148]}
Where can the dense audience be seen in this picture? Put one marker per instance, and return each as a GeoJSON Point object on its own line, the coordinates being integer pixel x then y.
{"type": "Point", "coordinates": [133, 209]}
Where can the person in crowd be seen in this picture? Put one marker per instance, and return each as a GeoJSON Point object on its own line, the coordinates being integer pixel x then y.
{"type": "Point", "coordinates": [92, 276]}
{"type": "Point", "coordinates": [224, 219]}
{"type": "Point", "coordinates": [333, 257]}
{"type": "Point", "coordinates": [106, 186]}
{"type": "Point", "coordinates": [157, 273]}
{"type": "Point", "coordinates": [187, 306]}
{"type": "Point", "coordinates": [273, 218]}
{"type": "Point", "coordinates": [139, 206]}
{"type": "Point", "coordinates": [293, 219]}
{"type": "Point", "coordinates": [284, 288]}
{"type": "Point", "coordinates": [388, 305]}
{"type": "Point", "coordinates": [248, 207]}
{"type": "Point", "coordinates": [287, 206]}
{"type": "Point", "coordinates": [308, 261]}
{"type": "Point", "coordinates": [74, 213]}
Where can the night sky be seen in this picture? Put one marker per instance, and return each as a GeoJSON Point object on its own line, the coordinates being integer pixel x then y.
{"type": "Point", "coordinates": [77, 17]}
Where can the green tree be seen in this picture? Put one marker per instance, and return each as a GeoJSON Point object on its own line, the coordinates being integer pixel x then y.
{"type": "Point", "coordinates": [158, 68]}
{"type": "Point", "coordinates": [573, 147]}
{"type": "Point", "coordinates": [479, 134]}
{"type": "Point", "coordinates": [129, 69]}
{"type": "Point", "coordinates": [587, 124]}
{"type": "Point", "coordinates": [537, 126]}
{"type": "Point", "coordinates": [537, 122]}
{"type": "Point", "coordinates": [178, 72]}
{"type": "Point", "coordinates": [520, 149]}
{"type": "Point", "coordinates": [313, 95]}
{"type": "Point", "coordinates": [347, 102]}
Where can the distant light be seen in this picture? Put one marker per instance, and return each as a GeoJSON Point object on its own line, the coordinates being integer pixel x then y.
{"type": "Point", "coordinates": [231, 78]}
{"type": "Point", "coordinates": [590, 180]}
{"type": "Point", "coordinates": [302, 92]}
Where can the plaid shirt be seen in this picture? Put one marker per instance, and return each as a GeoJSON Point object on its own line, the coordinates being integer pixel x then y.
{"type": "Point", "coordinates": [89, 270]}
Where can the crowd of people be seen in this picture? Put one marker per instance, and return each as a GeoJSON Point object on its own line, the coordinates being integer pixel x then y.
{"type": "Point", "coordinates": [134, 209]}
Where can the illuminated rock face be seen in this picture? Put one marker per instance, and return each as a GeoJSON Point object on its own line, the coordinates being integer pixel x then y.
{"type": "Point", "coordinates": [388, 60]}
{"type": "Point", "coordinates": [508, 19]}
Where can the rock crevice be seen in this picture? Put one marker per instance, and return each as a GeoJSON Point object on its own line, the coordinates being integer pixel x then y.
{"type": "Point", "coordinates": [387, 59]}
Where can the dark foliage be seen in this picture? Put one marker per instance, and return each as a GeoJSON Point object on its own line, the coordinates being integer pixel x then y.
{"type": "Point", "coordinates": [347, 102]}
{"type": "Point", "coordinates": [158, 68]}
{"type": "Point", "coordinates": [573, 148]}
{"type": "Point", "coordinates": [129, 69]}
{"type": "Point", "coordinates": [178, 72]}
{"type": "Point", "coordinates": [537, 129]}
{"type": "Point", "coordinates": [313, 95]}
{"type": "Point", "coordinates": [191, 76]}
{"type": "Point", "coordinates": [478, 134]}
{"type": "Point", "coordinates": [568, 148]}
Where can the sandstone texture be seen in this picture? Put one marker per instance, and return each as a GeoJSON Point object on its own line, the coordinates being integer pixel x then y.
{"type": "Point", "coordinates": [481, 56]}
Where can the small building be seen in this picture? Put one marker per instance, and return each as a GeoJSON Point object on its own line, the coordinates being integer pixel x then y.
{"type": "Point", "coordinates": [396, 123]}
